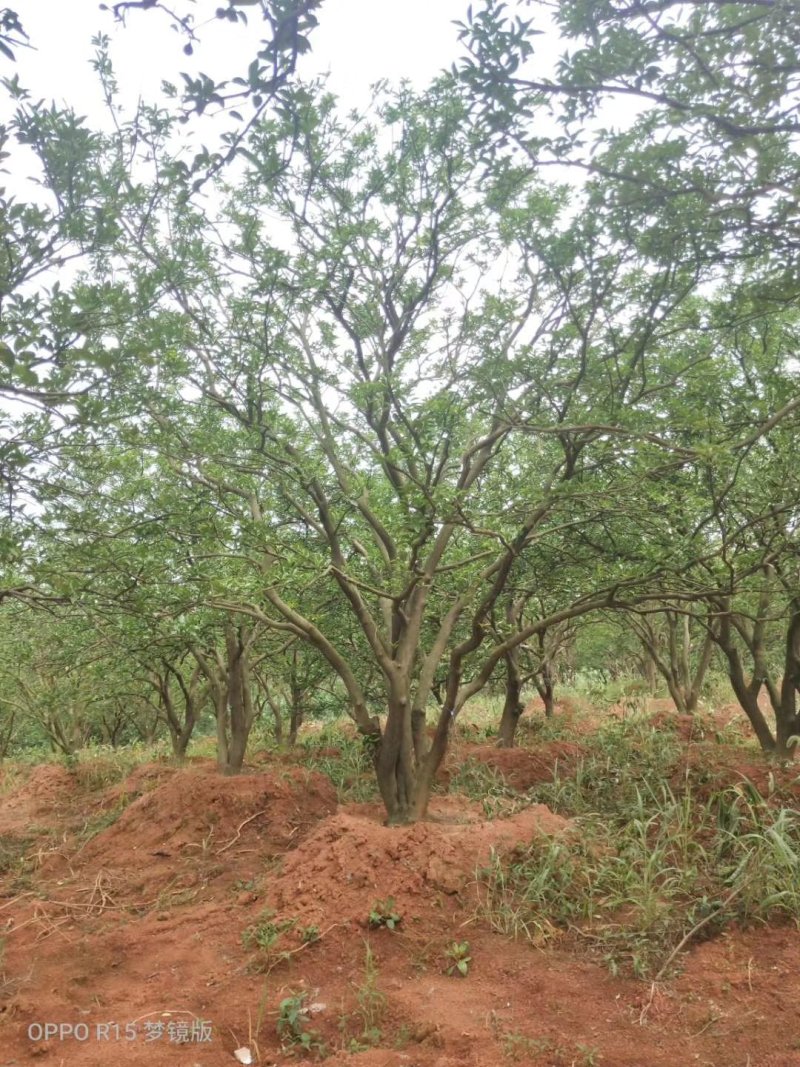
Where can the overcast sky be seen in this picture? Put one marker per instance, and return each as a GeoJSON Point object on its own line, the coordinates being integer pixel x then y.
{"type": "Point", "coordinates": [358, 41]}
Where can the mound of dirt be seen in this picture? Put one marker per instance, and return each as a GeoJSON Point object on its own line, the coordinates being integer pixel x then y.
{"type": "Point", "coordinates": [140, 781]}
{"type": "Point", "coordinates": [199, 815]}
{"type": "Point", "coordinates": [712, 768]}
{"type": "Point", "coordinates": [524, 768]}
{"type": "Point", "coordinates": [360, 861]}
{"type": "Point", "coordinates": [44, 791]}
{"type": "Point", "coordinates": [687, 728]}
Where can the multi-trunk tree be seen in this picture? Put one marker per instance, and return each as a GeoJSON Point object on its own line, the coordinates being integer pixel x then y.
{"type": "Point", "coordinates": [396, 376]}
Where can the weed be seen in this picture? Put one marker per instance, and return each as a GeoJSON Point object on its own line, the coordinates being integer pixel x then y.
{"type": "Point", "coordinates": [309, 934]}
{"type": "Point", "coordinates": [96, 769]}
{"type": "Point", "coordinates": [13, 851]}
{"type": "Point", "coordinates": [346, 761]}
{"type": "Point", "coordinates": [264, 935]}
{"type": "Point", "coordinates": [519, 1048]}
{"type": "Point", "coordinates": [97, 823]}
{"type": "Point", "coordinates": [13, 775]}
{"type": "Point", "coordinates": [9, 986]}
{"type": "Point", "coordinates": [478, 781]}
{"type": "Point", "coordinates": [175, 898]}
{"type": "Point", "coordinates": [370, 1007]}
{"type": "Point", "coordinates": [383, 914]}
{"type": "Point", "coordinates": [459, 958]}
{"type": "Point", "coordinates": [656, 871]}
{"type": "Point", "coordinates": [205, 846]}
{"type": "Point", "coordinates": [292, 1026]}
{"type": "Point", "coordinates": [590, 1056]}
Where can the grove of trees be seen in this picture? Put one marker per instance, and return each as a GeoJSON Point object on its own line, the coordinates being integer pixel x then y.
{"type": "Point", "coordinates": [378, 410]}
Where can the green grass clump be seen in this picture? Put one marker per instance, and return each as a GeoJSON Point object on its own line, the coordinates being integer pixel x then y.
{"type": "Point", "coordinates": [477, 780]}
{"type": "Point", "coordinates": [646, 869]}
{"type": "Point", "coordinates": [102, 820]}
{"type": "Point", "coordinates": [626, 756]}
{"type": "Point", "coordinates": [349, 768]}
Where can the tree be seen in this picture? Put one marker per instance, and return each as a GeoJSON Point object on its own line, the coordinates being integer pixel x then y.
{"type": "Point", "coordinates": [679, 655]}
{"type": "Point", "coordinates": [371, 430]}
{"type": "Point", "coordinates": [266, 83]}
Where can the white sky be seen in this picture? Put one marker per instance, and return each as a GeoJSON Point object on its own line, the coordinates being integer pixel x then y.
{"type": "Point", "coordinates": [358, 41]}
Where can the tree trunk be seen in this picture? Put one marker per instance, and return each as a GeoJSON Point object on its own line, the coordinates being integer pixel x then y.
{"type": "Point", "coordinates": [274, 707]}
{"type": "Point", "coordinates": [395, 759]}
{"type": "Point", "coordinates": [188, 690]}
{"type": "Point", "coordinates": [5, 743]}
{"type": "Point", "coordinates": [426, 772]}
{"type": "Point", "coordinates": [696, 683]}
{"type": "Point", "coordinates": [545, 687]}
{"type": "Point", "coordinates": [239, 697]}
{"type": "Point", "coordinates": [513, 706]}
{"type": "Point", "coordinates": [420, 741]}
{"type": "Point", "coordinates": [787, 720]}
{"type": "Point", "coordinates": [649, 672]}
{"type": "Point", "coordinates": [180, 727]}
{"type": "Point", "coordinates": [746, 694]}
{"type": "Point", "coordinates": [296, 711]}
{"type": "Point", "coordinates": [676, 691]}
{"type": "Point", "coordinates": [221, 712]}
{"type": "Point", "coordinates": [675, 667]}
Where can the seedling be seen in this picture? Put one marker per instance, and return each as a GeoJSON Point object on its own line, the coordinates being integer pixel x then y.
{"type": "Point", "coordinates": [371, 1009]}
{"type": "Point", "coordinates": [460, 959]}
{"type": "Point", "coordinates": [292, 1025]}
{"type": "Point", "coordinates": [309, 934]}
{"type": "Point", "coordinates": [266, 932]}
{"type": "Point", "coordinates": [383, 914]}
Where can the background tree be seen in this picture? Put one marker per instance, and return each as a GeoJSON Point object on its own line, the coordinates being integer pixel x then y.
{"type": "Point", "coordinates": [680, 649]}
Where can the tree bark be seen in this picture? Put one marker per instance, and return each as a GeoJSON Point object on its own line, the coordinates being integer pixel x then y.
{"type": "Point", "coordinates": [395, 760]}
{"type": "Point", "coordinates": [545, 687]}
{"type": "Point", "coordinates": [746, 693]}
{"type": "Point", "coordinates": [513, 706]}
{"type": "Point", "coordinates": [788, 722]}
{"type": "Point", "coordinates": [239, 696]}
{"type": "Point", "coordinates": [214, 670]}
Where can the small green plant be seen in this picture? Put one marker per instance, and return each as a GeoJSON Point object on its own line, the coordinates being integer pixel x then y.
{"type": "Point", "coordinates": [383, 914]}
{"type": "Point", "coordinates": [13, 851]}
{"type": "Point", "coordinates": [459, 958]}
{"type": "Point", "coordinates": [655, 867]}
{"type": "Point", "coordinates": [479, 781]}
{"type": "Point", "coordinates": [264, 935]}
{"type": "Point", "coordinates": [519, 1048]}
{"type": "Point", "coordinates": [309, 934]}
{"type": "Point", "coordinates": [95, 824]}
{"type": "Point", "coordinates": [590, 1056]}
{"type": "Point", "coordinates": [345, 760]}
{"type": "Point", "coordinates": [292, 1026]}
{"type": "Point", "coordinates": [371, 1006]}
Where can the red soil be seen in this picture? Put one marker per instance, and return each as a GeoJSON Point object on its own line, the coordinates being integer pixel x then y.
{"type": "Point", "coordinates": [143, 923]}
{"type": "Point", "coordinates": [522, 768]}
